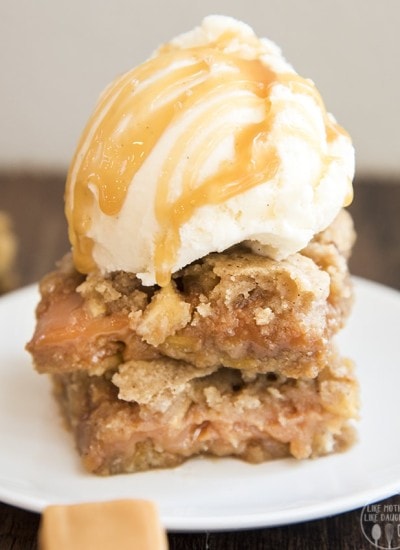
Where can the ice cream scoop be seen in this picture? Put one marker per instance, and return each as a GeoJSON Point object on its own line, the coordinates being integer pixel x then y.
{"type": "Point", "coordinates": [213, 141]}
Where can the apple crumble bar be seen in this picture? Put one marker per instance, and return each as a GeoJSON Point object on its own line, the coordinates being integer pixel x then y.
{"type": "Point", "coordinates": [233, 357]}
{"type": "Point", "coordinates": [152, 414]}
{"type": "Point", "coordinates": [235, 309]}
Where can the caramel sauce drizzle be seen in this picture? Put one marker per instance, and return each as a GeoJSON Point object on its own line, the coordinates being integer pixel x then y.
{"type": "Point", "coordinates": [133, 114]}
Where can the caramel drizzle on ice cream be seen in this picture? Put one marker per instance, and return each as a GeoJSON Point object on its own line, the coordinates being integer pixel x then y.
{"type": "Point", "coordinates": [135, 111]}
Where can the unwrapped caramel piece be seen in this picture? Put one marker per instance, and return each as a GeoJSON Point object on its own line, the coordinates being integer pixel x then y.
{"type": "Point", "coordinates": [120, 524]}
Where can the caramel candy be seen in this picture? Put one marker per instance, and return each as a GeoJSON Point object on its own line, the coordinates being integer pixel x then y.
{"type": "Point", "coordinates": [120, 524]}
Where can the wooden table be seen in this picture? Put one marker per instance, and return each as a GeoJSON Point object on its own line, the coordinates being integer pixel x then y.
{"type": "Point", "coordinates": [35, 202]}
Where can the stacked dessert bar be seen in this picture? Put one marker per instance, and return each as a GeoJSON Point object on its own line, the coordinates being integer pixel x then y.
{"type": "Point", "coordinates": [234, 357]}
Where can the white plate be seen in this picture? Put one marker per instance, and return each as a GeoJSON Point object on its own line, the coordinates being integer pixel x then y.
{"type": "Point", "coordinates": [39, 466]}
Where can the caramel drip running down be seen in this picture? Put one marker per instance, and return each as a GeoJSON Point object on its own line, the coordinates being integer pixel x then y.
{"type": "Point", "coordinates": [134, 113]}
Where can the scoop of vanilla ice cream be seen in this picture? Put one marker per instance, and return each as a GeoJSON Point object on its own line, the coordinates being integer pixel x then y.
{"type": "Point", "coordinates": [213, 141]}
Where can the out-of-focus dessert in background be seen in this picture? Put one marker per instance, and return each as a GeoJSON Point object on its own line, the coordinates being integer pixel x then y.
{"type": "Point", "coordinates": [209, 271]}
{"type": "Point", "coordinates": [8, 252]}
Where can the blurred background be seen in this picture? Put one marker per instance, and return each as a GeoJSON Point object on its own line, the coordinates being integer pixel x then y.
{"type": "Point", "coordinates": [56, 57]}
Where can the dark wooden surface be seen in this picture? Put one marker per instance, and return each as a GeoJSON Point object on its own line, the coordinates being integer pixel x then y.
{"type": "Point", "coordinates": [36, 205]}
